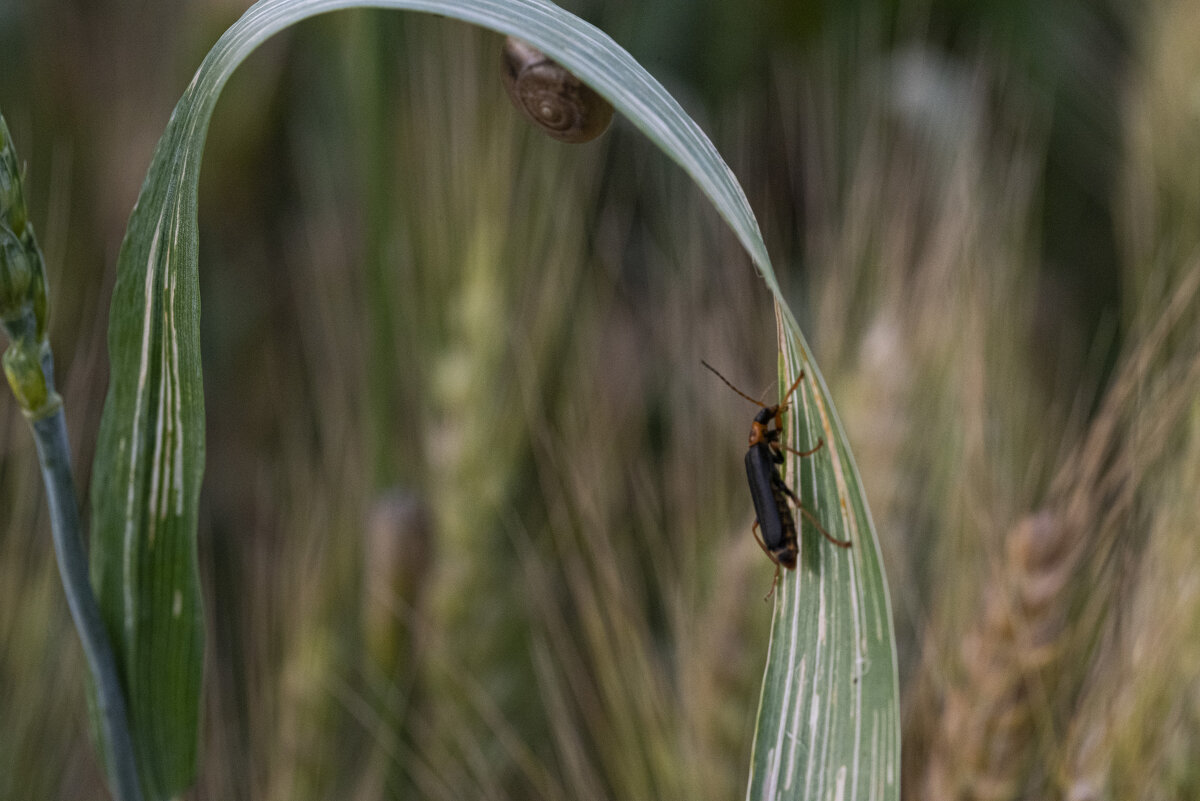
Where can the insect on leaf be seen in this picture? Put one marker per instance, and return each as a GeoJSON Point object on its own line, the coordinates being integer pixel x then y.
{"type": "Point", "coordinates": [150, 460]}
{"type": "Point", "coordinates": [828, 723]}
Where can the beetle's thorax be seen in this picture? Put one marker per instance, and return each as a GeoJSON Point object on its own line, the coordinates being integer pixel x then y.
{"type": "Point", "coordinates": [758, 433]}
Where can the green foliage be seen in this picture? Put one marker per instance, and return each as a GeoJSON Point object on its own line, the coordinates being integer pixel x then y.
{"type": "Point", "coordinates": [935, 183]}
{"type": "Point", "coordinates": [151, 451]}
{"type": "Point", "coordinates": [828, 721]}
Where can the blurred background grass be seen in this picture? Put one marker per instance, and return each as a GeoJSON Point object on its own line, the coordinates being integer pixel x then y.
{"type": "Point", "coordinates": [474, 524]}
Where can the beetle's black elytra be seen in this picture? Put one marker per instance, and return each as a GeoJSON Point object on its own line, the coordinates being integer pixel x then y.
{"type": "Point", "coordinates": [773, 513]}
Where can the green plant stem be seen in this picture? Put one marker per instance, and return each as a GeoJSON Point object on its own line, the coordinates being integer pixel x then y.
{"type": "Point", "coordinates": [54, 455]}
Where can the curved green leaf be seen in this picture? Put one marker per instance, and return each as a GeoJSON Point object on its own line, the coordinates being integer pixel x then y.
{"type": "Point", "coordinates": [829, 701]}
{"type": "Point", "coordinates": [828, 716]}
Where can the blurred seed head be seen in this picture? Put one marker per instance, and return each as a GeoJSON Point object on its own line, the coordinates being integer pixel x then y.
{"type": "Point", "coordinates": [12, 201]}
{"type": "Point", "coordinates": [16, 280]}
{"type": "Point", "coordinates": [988, 728]}
{"type": "Point", "coordinates": [24, 307]}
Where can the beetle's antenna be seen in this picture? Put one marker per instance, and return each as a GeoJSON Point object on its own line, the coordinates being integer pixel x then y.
{"type": "Point", "coordinates": [735, 389]}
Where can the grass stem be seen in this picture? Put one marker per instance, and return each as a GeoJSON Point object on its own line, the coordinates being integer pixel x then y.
{"type": "Point", "coordinates": [54, 455]}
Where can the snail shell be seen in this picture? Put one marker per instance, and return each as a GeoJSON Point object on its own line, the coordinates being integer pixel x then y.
{"type": "Point", "coordinates": [551, 97]}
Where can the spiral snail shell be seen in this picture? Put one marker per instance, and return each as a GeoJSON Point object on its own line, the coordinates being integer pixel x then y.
{"type": "Point", "coordinates": [551, 97]}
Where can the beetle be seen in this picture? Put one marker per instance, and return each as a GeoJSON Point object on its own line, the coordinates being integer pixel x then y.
{"type": "Point", "coordinates": [768, 490]}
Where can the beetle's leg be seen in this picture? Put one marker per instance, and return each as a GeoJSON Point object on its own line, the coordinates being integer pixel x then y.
{"type": "Point", "coordinates": [799, 378]}
{"type": "Point", "coordinates": [778, 481]}
{"type": "Point", "coordinates": [783, 407]}
{"type": "Point", "coordinates": [770, 556]}
{"type": "Point", "coordinates": [820, 444]}
{"type": "Point", "coordinates": [812, 518]}
{"type": "Point", "coordinates": [776, 446]}
{"type": "Point", "coordinates": [774, 435]}
{"type": "Point", "coordinates": [759, 540]}
{"type": "Point", "coordinates": [774, 581]}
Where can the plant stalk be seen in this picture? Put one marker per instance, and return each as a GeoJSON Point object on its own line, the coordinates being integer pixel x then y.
{"type": "Point", "coordinates": [29, 368]}
{"type": "Point", "coordinates": [54, 455]}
